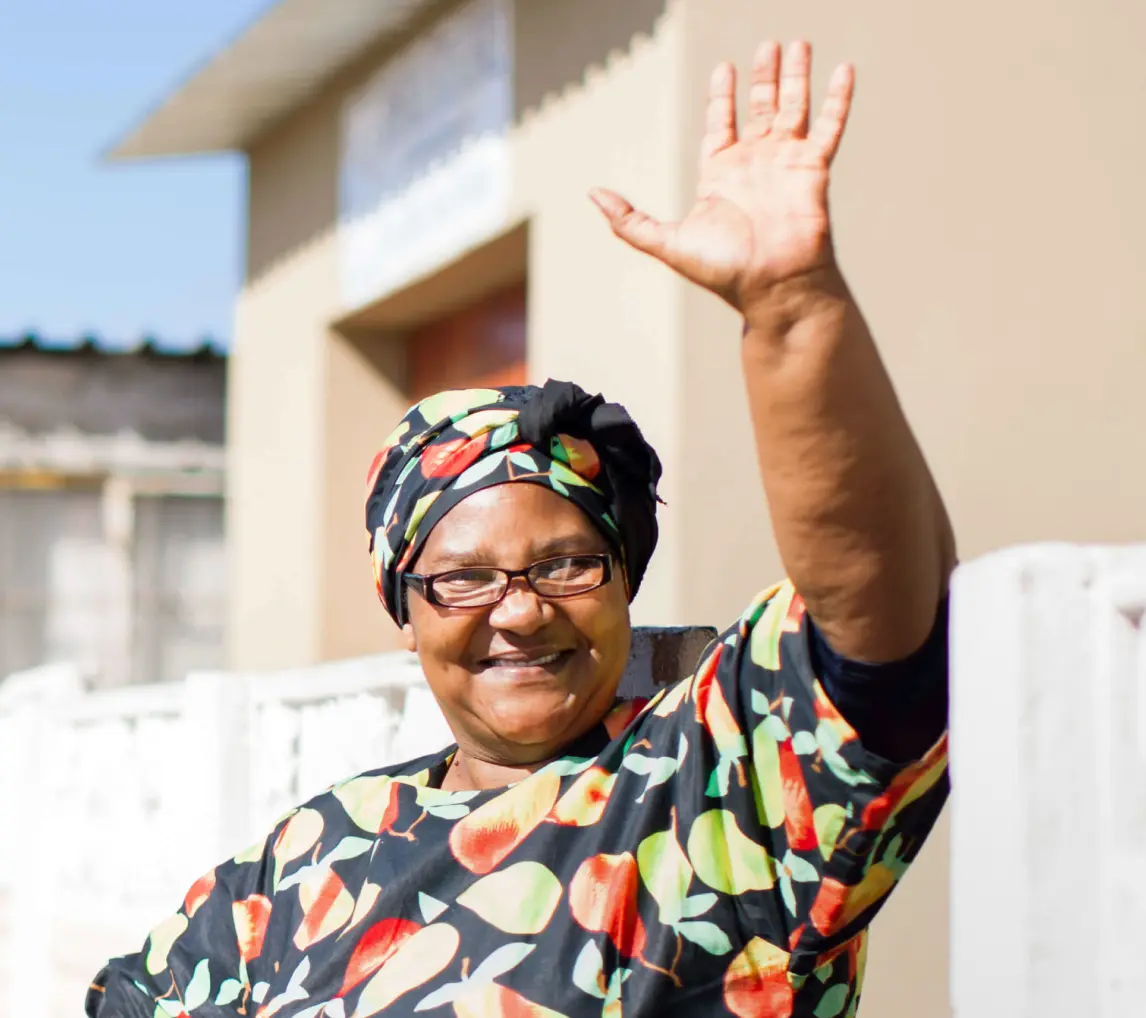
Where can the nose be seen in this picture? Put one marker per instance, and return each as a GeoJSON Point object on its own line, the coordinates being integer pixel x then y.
{"type": "Point", "coordinates": [521, 610]}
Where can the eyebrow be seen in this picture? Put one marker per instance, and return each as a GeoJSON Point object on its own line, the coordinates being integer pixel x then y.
{"type": "Point", "coordinates": [576, 544]}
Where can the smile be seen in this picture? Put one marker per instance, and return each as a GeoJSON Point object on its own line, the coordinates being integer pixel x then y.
{"type": "Point", "coordinates": [540, 661]}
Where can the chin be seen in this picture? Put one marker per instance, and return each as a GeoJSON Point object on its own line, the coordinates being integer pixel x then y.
{"type": "Point", "coordinates": [545, 727]}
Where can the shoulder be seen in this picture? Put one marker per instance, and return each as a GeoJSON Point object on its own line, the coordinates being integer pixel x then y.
{"type": "Point", "coordinates": [776, 612]}
{"type": "Point", "coordinates": [365, 803]}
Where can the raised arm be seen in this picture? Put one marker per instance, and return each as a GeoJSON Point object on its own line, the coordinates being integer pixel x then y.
{"type": "Point", "coordinates": [860, 524]}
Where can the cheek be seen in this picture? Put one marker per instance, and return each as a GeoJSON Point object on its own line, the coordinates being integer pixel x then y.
{"type": "Point", "coordinates": [441, 642]}
{"type": "Point", "coordinates": [607, 628]}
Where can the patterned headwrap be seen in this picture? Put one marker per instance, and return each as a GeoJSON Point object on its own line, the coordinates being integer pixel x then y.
{"type": "Point", "coordinates": [459, 442]}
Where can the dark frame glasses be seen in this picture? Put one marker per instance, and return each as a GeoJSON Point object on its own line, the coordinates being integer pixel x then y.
{"type": "Point", "coordinates": [491, 584]}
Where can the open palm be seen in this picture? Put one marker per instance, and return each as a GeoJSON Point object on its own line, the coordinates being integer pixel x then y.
{"type": "Point", "coordinates": [761, 214]}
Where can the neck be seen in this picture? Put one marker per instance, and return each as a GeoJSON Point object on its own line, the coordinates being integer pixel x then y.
{"type": "Point", "coordinates": [468, 773]}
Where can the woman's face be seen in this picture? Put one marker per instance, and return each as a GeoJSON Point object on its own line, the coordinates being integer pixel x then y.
{"type": "Point", "coordinates": [501, 708]}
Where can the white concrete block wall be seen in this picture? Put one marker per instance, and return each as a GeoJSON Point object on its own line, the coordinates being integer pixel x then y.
{"type": "Point", "coordinates": [124, 797]}
{"type": "Point", "coordinates": [1049, 784]}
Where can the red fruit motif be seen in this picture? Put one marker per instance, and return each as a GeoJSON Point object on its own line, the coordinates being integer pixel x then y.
{"type": "Point", "coordinates": [390, 814]}
{"type": "Point", "coordinates": [603, 899]}
{"type": "Point", "coordinates": [712, 709]}
{"type": "Point", "coordinates": [907, 786]}
{"type": "Point", "coordinates": [375, 948]}
{"type": "Point", "coordinates": [373, 803]}
{"type": "Point", "coordinates": [481, 840]}
{"type": "Point", "coordinates": [798, 817]}
{"type": "Point", "coordinates": [449, 459]}
{"type": "Point", "coordinates": [704, 680]}
{"type": "Point", "coordinates": [326, 907]}
{"type": "Point", "coordinates": [829, 905]}
{"type": "Point", "coordinates": [838, 905]}
{"type": "Point", "coordinates": [584, 801]}
{"type": "Point", "coordinates": [794, 615]}
{"type": "Point", "coordinates": [385, 822]}
{"type": "Point", "coordinates": [375, 469]}
{"type": "Point", "coordinates": [414, 962]}
{"type": "Point", "coordinates": [795, 935]}
{"type": "Point", "coordinates": [623, 715]}
{"type": "Point", "coordinates": [407, 557]}
{"type": "Point", "coordinates": [250, 917]}
{"type": "Point", "coordinates": [379, 461]}
{"type": "Point", "coordinates": [756, 983]}
{"type": "Point", "coordinates": [856, 951]}
{"type": "Point", "coordinates": [200, 891]}
{"type": "Point", "coordinates": [583, 458]}
{"type": "Point", "coordinates": [713, 712]}
{"type": "Point", "coordinates": [826, 711]}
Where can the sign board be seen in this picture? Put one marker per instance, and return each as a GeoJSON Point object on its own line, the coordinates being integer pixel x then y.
{"type": "Point", "coordinates": [425, 163]}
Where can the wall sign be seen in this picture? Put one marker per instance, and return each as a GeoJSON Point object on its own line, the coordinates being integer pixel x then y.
{"type": "Point", "coordinates": [425, 167]}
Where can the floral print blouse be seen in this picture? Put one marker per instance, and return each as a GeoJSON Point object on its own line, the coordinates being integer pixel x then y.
{"type": "Point", "coordinates": [720, 849]}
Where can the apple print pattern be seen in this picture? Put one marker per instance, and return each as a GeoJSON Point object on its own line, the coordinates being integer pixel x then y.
{"type": "Point", "coordinates": [720, 849]}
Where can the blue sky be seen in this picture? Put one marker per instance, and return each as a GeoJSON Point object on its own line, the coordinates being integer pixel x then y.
{"type": "Point", "coordinates": [120, 250]}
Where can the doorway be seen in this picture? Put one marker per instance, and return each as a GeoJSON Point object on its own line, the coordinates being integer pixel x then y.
{"type": "Point", "coordinates": [478, 346]}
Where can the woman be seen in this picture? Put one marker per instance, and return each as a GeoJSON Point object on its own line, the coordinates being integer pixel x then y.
{"type": "Point", "coordinates": [719, 850]}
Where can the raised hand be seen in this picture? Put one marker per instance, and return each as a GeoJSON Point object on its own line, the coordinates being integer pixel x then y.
{"type": "Point", "coordinates": [761, 214]}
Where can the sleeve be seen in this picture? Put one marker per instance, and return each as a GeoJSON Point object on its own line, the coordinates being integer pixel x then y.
{"type": "Point", "coordinates": [897, 709]}
{"type": "Point", "coordinates": [785, 806]}
{"type": "Point", "coordinates": [197, 961]}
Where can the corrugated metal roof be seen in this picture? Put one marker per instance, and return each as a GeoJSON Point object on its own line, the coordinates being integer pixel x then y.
{"type": "Point", "coordinates": [205, 348]}
{"type": "Point", "coordinates": [278, 63]}
{"type": "Point", "coordinates": [161, 393]}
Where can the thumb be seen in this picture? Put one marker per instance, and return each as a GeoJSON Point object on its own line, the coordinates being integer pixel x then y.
{"type": "Point", "coordinates": [637, 229]}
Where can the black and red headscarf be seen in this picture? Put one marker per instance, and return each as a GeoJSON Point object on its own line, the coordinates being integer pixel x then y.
{"type": "Point", "coordinates": [459, 442]}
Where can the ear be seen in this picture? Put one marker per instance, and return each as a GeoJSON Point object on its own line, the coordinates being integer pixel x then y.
{"type": "Point", "coordinates": [411, 639]}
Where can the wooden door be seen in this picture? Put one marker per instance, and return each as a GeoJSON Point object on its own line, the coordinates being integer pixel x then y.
{"type": "Point", "coordinates": [480, 345]}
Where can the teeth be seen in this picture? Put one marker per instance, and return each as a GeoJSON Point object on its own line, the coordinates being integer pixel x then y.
{"type": "Point", "coordinates": [548, 659]}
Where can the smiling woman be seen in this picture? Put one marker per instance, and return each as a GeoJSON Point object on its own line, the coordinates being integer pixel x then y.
{"type": "Point", "coordinates": [513, 504]}
{"type": "Point", "coordinates": [721, 849]}
{"type": "Point", "coordinates": [536, 661]}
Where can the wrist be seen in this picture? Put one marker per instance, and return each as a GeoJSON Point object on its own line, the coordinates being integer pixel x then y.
{"type": "Point", "coordinates": [785, 304]}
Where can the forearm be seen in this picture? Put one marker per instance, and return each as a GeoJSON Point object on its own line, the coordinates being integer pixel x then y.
{"type": "Point", "coordinates": [859, 522]}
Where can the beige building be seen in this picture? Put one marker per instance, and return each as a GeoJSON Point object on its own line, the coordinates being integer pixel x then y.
{"type": "Point", "coordinates": [417, 218]}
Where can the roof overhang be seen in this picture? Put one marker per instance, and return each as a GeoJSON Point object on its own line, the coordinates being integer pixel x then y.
{"type": "Point", "coordinates": [274, 67]}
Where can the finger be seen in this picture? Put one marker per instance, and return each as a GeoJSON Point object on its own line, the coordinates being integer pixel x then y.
{"type": "Point", "coordinates": [833, 117]}
{"type": "Point", "coordinates": [720, 117]}
{"type": "Point", "coordinates": [792, 120]}
{"type": "Point", "coordinates": [635, 228]}
{"type": "Point", "coordinates": [764, 90]}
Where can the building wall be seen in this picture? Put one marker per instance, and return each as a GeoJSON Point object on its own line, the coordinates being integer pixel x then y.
{"type": "Point", "coordinates": [989, 215]}
{"type": "Point", "coordinates": [311, 404]}
{"type": "Point", "coordinates": [597, 96]}
{"type": "Point", "coordinates": [276, 413]}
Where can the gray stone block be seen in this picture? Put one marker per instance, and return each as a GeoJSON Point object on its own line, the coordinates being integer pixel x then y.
{"type": "Point", "coordinates": [663, 655]}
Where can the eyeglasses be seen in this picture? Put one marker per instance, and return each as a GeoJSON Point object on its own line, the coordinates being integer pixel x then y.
{"type": "Point", "coordinates": [482, 586]}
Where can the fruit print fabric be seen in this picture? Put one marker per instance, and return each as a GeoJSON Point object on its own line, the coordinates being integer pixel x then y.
{"type": "Point", "coordinates": [718, 850]}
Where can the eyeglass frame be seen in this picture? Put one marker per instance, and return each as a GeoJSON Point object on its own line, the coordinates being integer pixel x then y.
{"type": "Point", "coordinates": [423, 583]}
